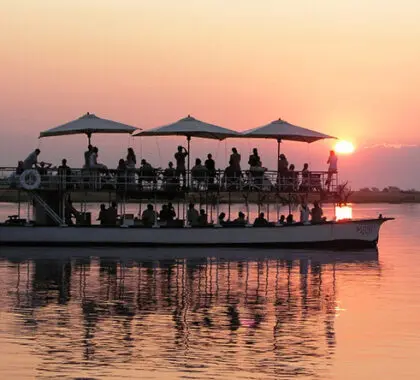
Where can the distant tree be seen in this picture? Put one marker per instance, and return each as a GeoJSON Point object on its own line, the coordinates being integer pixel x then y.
{"type": "Point", "coordinates": [394, 189]}
{"type": "Point", "coordinates": [364, 189]}
{"type": "Point", "coordinates": [385, 190]}
{"type": "Point", "coordinates": [375, 189]}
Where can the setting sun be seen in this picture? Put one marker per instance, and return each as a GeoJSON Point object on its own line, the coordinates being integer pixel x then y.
{"type": "Point", "coordinates": [344, 147]}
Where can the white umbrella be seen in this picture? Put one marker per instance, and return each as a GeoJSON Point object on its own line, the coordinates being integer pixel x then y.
{"type": "Point", "coordinates": [282, 130]}
{"type": "Point", "coordinates": [190, 127]}
{"type": "Point", "coordinates": [88, 124]}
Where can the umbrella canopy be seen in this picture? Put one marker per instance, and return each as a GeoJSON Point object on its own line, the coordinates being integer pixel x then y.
{"type": "Point", "coordinates": [282, 130]}
{"type": "Point", "coordinates": [88, 124]}
{"type": "Point", "coordinates": [190, 127]}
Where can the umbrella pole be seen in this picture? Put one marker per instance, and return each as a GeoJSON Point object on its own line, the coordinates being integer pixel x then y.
{"type": "Point", "coordinates": [278, 164]}
{"type": "Point", "coordinates": [189, 158]}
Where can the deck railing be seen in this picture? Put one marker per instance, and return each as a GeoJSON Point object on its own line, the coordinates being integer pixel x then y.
{"type": "Point", "coordinates": [155, 180]}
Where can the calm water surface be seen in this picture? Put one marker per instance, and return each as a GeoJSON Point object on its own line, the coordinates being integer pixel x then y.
{"type": "Point", "coordinates": [245, 314]}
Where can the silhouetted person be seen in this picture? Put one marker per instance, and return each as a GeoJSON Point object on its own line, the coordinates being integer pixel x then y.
{"type": "Point", "coordinates": [192, 215]}
{"type": "Point", "coordinates": [221, 218]}
{"type": "Point", "coordinates": [202, 218]}
{"type": "Point", "coordinates": [87, 156]}
{"type": "Point", "coordinates": [235, 160]}
{"type": "Point", "coordinates": [148, 216]}
{"type": "Point", "coordinates": [19, 168]}
{"type": "Point", "coordinates": [211, 168]}
{"type": "Point", "coordinates": [317, 213]}
{"type": "Point", "coordinates": [64, 172]}
{"type": "Point", "coordinates": [112, 214]}
{"type": "Point", "coordinates": [260, 221]}
{"type": "Point", "coordinates": [332, 169]}
{"type": "Point", "coordinates": [31, 160]}
{"type": "Point", "coordinates": [282, 168]}
{"type": "Point", "coordinates": [254, 159]}
{"type": "Point", "coordinates": [102, 215]}
{"type": "Point", "coordinates": [180, 156]}
{"type": "Point", "coordinates": [240, 219]}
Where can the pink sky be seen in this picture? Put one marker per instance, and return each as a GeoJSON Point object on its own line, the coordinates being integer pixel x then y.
{"type": "Point", "coordinates": [350, 69]}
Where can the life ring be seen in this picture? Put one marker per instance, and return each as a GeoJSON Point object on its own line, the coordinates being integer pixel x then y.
{"type": "Point", "coordinates": [30, 179]}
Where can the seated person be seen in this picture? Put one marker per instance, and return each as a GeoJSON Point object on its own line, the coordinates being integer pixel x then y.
{"type": "Point", "coordinates": [112, 214]}
{"type": "Point", "coordinates": [147, 173]}
{"type": "Point", "coordinates": [317, 213]}
{"type": "Point", "coordinates": [240, 219]}
{"type": "Point", "coordinates": [232, 176]}
{"type": "Point", "coordinates": [221, 219]}
{"type": "Point", "coordinates": [103, 217]}
{"type": "Point", "coordinates": [43, 170]}
{"type": "Point", "coordinates": [199, 172]}
{"type": "Point", "coordinates": [164, 214]}
{"type": "Point", "coordinates": [169, 176]}
{"type": "Point", "coordinates": [148, 217]}
{"type": "Point", "coordinates": [289, 219]}
{"type": "Point", "coordinates": [171, 212]}
{"type": "Point", "coordinates": [304, 213]}
{"type": "Point", "coordinates": [19, 169]}
{"type": "Point", "coordinates": [192, 215]}
{"type": "Point", "coordinates": [93, 161]}
{"type": "Point", "coordinates": [202, 218]}
{"type": "Point", "coordinates": [260, 221]}
{"type": "Point", "coordinates": [282, 219]}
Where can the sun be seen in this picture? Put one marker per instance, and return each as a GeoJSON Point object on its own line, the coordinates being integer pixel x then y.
{"type": "Point", "coordinates": [344, 147]}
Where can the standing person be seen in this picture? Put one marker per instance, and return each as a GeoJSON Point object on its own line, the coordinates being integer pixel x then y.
{"type": "Point", "coordinates": [64, 172]}
{"type": "Point", "coordinates": [332, 169]}
{"type": "Point", "coordinates": [235, 160]}
{"type": "Point", "coordinates": [131, 159]}
{"type": "Point", "coordinates": [121, 175]}
{"type": "Point", "coordinates": [31, 160]}
{"type": "Point", "coordinates": [87, 157]}
{"type": "Point", "coordinates": [131, 165]}
{"type": "Point", "coordinates": [211, 168]}
{"type": "Point", "coordinates": [180, 156]}
{"type": "Point", "coordinates": [282, 169]}
{"type": "Point", "coordinates": [305, 186]}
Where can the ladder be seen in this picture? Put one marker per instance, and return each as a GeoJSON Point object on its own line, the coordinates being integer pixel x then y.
{"type": "Point", "coordinates": [50, 212]}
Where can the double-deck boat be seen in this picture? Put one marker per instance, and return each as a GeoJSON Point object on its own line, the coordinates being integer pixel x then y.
{"type": "Point", "coordinates": [48, 194]}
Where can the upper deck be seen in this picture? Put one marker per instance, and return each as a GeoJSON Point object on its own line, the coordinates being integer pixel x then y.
{"type": "Point", "coordinates": [133, 183]}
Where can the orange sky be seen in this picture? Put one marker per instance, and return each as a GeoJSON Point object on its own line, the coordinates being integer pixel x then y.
{"type": "Point", "coordinates": [350, 69]}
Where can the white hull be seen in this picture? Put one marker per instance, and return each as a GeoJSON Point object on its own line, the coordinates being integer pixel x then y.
{"type": "Point", "coordinates": [346, 234]}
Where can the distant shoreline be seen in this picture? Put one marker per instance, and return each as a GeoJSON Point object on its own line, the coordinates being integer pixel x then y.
{"type": "Point", "coordinates": [11, 196]}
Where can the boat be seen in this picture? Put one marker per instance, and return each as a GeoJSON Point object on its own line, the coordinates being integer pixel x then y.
{"type": "Point", "coordinates": [347, 234]}
{"type": "Point", "coordinates": [48, 194]}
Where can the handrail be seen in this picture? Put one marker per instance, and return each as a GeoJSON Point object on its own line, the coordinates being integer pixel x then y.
{"type": "Point", "coordinates": [158, 180]}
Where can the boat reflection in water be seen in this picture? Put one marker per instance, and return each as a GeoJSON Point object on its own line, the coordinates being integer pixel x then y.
{"type": "Point", "coordinates": [92, 315]}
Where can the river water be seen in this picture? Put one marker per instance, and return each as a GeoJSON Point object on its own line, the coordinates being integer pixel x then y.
{"type": "Point", "coordinates": [229, 314]}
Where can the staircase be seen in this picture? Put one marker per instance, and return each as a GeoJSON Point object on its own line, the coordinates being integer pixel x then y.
{"type": "Point", "coordinates": [50, 212]}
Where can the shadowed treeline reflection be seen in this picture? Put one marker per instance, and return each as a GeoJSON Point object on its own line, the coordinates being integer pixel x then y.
{"type": "Point", "coordinates": [210, 317]}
